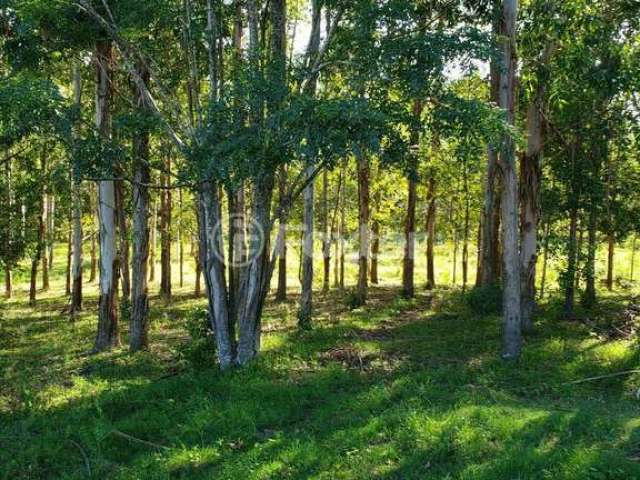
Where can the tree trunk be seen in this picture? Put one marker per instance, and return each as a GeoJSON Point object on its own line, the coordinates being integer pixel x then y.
{"type": "Point", "coordinates": [257, 275]}
{"type": "Point", "coordinates": [363, 223]}
{"type": "Point", "coordinates": [123, 262]}
{"type": "Point", "coordinates": [214, 274]}
{"type": "Point", "coordinates": [40, 247]}
{"type": "Point", "coordinates": [570, 273]}
{"type": "Point", "coordinates": [408, 261]}
{"type": "Point", "coordinates": [153, 241]}
{"type": "Point", "coordinates": [139, 324]}
{"type": "Point", "coordinates": [490, 212]}
{"type": "Point", "coordinates": [509, 204]}
{"type": "Point", "coordinates": [610, 254]}
{"type": "Point", "coordinates": [306, 259]}
{"type": "Point", "coordinates": [8, 283]}
{"type": "Point", "coordinates": [343, 227]}
{"type": "Point", "coordinates": [306, 295]}
{"type": "Point", "coordinates": [165, 234]}
{"type": "Point", "coordinates": [108, 330]}
{"type": "Point", "coordinates": [465, 233]}
{"type": "Point", "coordinates": [67, 288]}
{"type": "Point", "coordinates": [545, 259]}
{"type": "Point", "coordinates": [76, 196]}
{"type": "Point", "coordinates": [180, 239]}
{"type": "Point", "coordinates": [281, 292]}
{"type": "Point", "coordinates": [530, 175]}
{"type": "Point", "coordinates": [589, 298]}
{"type": "Point", "coordinates": [375, 251]}
{"type": "Point", "coordinates": [45, 224]}
{"type": "Point", "coordinates": [93, 270]}
{"type": "Point", "coordinates": [633, 257]}
{"type": "Point", "coordinates": [431, 231]}
{"type": "Point", "coordinates": [51, 229]}
{"type": "Point", "coordinates": [326, 236]}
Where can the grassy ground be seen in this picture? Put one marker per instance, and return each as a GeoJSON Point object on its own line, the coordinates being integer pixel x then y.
{"type": "Point", "coordinates": [399, 389]}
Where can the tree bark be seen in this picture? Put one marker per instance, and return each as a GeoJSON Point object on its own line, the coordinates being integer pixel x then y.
{"type": "Point", "coordinates": [509, 205]}
{"type": "Point", "coordinates": [408, 261]}
{"type": "Point", "coordinates": [490, 213]}
{"type": "Point", "coordinates": [123, 237]}
{"type": "Point", "coordinates": [165, 234]}
{"type": "Point", "coordinates": [375, 250]}
{"type": "Point", "coordinates": [51, 228]}
{"type": "Point", "coordinates": [545, 259]}
{"type": "Point", "coordinates": [139, 324]}
{"type": "Point", "coordinates": [570, 273]}
{"type": "Point", "coordinates": [610, 255]}
{"type": "Point", "coordinates": [153, 241]}
{"type": "Point", "coordinates": [281, 292]}
{"type": "Point", "coordinates": [363, 227]}
{"type": "Point", "coordinates": [465, 233]}
{"type": "Point", "coordinates": [431, 231]}
{"type": "Point", "coordinates": [67, 288]}
{"type": "Point", "coordinates": [45, 223]}
{"type": "Point", "coordinates": [93, 269]}
{"type": "Point", "coordinates": [180, 239]}
{"type": "Point", "coordinates": [326, 236]}
{"type": "Point", "coordinates": [108, 329]}
{"type": "Point", "coordinates": [306, 295]}
{"type": "Point", "coordinates": [76, 196]}
{"type": "Point", "coordinates": [530, 176]}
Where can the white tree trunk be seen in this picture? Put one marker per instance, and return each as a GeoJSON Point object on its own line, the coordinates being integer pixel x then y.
{"type": "Point", "coordinates": [510, 235]}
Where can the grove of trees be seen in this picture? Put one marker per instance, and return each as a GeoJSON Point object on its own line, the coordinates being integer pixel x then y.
{"type": "Point", "coordinates": [230, 134]}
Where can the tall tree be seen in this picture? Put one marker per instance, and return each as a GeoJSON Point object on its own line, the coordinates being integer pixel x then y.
{"type": "Point", "coordinates": [509, 203]}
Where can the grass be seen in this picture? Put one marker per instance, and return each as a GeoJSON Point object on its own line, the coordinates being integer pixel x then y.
{"type": "Point", "coordinates": [398, 389]}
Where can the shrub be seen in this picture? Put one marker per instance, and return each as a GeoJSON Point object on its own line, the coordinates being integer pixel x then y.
{"type": "Point", "coordinates": [485, 300]}
{"type": "Point", "coordinates": [201, 348]}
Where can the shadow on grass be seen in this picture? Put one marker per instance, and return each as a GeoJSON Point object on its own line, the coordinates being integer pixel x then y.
{"type": "Point", "coordinates": [432, 400]}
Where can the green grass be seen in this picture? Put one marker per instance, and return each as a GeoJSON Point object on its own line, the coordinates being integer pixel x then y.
{"type": "Point", "coordinates": [398, 389]}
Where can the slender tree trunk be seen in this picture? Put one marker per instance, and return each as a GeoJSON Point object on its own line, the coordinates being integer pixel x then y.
{"type": "Point", "coordinates": [281, 293]}
{"type": "Point", "coordinates": [545, 259]}
{"type": "Point", "coordinates": [139, 324]}
{"type": "Point", "coordinates": [570, 274]}
{"type": "Point", "coordinates": [343, 228]}
{"type": "Point", "coordinates": [67, 289]}
{"type": "Point", "coordinates": [51, 228]}
{"type": "Point", "coordinates": [479, 253]}
{"type": "Point", "coordinates": [408, 262]}
{"type": "Point", "coordinates": [180, 239]}
{"type": "Point", "coordinates": [8, 283]}
{"type": "Point", "coordinates": [40, 247]}
{"type": "Point", "coordinates": [589, 298]}
{"type": "Point", "coordinates": [198, 256]}
{"type": "Point", "coordinates": [465, 233]}
{"type": "Point", "coordinates": [93, 269]}
{"type": "Point", "coordinates": [530, 175]}
{"type": "Point", "coordinates": [45, 222]}
{"type": "Point", "coordinates": [76, 196]}
{"type": "Point", "coordinates": [214, 269]}
{"type": "Point", "coordinates": [326, 236]}
{"type": "Point", "coordinates": [306, 295]}
{"type": "Point", "coordinates": [610, 255]}
{"type": "Point", "coordinates": [375, 250]}
{"type": "Point", "coordinates": [490, 216]}
{"type": "Point", "coordinates": [108, 329]}
{"type": "Point", "coordinates": [509, 205]}
{"type": "Point", "coordinates": [123, 230]}
{"type": "Point", "coordinates": [363, 222]}
{"type": "Point", "coordinates": [431, 231]}
{"type": "Point", "coordinates": [633, 257]}
{"type": "Point", "coordinates": [165, 235]}
{"type": "Point", "coordinates": [153, 241]}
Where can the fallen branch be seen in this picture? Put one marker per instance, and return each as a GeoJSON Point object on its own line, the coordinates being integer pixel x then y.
{"type": "Point", "coordinates": [600, 377]}
{"type": "Point", "coordinates": [131, 438]}
{"type": "Point", "coordinates": [87, 464]}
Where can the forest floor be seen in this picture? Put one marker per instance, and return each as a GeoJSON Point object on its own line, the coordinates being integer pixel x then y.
{"type": "Point", "coordinates": [397, 389]}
